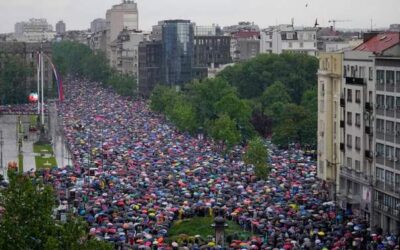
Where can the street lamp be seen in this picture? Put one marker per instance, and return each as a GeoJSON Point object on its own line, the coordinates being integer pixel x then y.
{"type": "Point", "coordinates": [1, 152]}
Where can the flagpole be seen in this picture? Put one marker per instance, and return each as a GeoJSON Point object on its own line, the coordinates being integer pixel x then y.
{"type": "Point", "coordinates": [42, 75]}
{"type": "Point", "coordinates": [38, 83]}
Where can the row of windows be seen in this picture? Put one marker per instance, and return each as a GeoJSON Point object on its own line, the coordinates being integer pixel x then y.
{"type": "Point", "coordinates": [389, 152]}
{"type": "Point", "coordinates": [388, 177]}
{"type": "Point", "coordinates": [388, 77]}
{"type": "Point", "coordinates": [357, 119]}
{"type": "Point", "coordinates": [350, 96]}
{"type": "Point", "coordinates": [390, 128]}
{"type": "Point", "coordinates": [357, 164]}
{"type": "Point", "coordinates": [387, 200]}
{"type": "Point", "coordinates": [357, 142]}
{"type": "Point", "coordinates": [387, 102]}
{"type": "Point", "coordinates": [358, 71]}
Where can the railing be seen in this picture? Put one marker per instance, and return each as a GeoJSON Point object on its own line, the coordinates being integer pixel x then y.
{"type": "Point", "coordinates": [380, 111]}
{"type": "Point", "coordinates": [380, 160]}
{"type": "Point", "coordinates": [390, 87]}
{"type": "Point", "coordinates": [355, 80]}
{"type": "Point", "coordinates": [380, 87]}
{"type": "Point", "coordinates": [380, 135]}
{"type": "Point", "coordinates": [390, 112]}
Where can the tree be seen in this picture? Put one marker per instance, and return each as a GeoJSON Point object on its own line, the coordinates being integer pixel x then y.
{"type": "Point", "coordinates": [27, 221]}
{"type": "Point", "coordinates": [163, 98]}
{"type": "Point", "coordinates": [95, 67]}
{"type": "Point", "coordinates": [184, 117]}
{"type": "Point", "coordinates": [275, 93]}
{"type": "Point", "coordinates": [224, 129]}
{"type": "Point", "coordinates": [14, 87]}
{"type": "Point", "coordinates": [123, 84]}
{"type": "Point", "coordinates": [256, 154]}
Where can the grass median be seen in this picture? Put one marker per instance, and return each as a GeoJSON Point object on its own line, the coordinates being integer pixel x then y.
{"type": "Point", "coordinates": [44, 156]}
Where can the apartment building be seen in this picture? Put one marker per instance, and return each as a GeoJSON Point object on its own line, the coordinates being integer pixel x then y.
{"type": "Point", "coordinates": [329, 118]}
{"type": "Point", "coordinates": [369, 139]}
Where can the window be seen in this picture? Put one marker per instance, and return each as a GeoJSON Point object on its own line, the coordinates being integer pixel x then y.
{"type": "Point", "coordinates": [380, 174]}
{"type": "Point", "coordinates": [390, 77]}
{"type": "Point", "coordinates": [349, 141]}
{"type": "Point", "coordinates": [358, 120]}
{"type": "Point", "coordinates": [390, 127]}
{"type": "Point", "coordinates": [380, 101]}
{"type": "Point", "coordinates": [290, 45]}
{"type": "Point", "coordinates": [301, 45]}
{"type": "Point", "coordinates": [398, 78]}
{"type": "Point", "coordinates": [362, 72]}
{"type": "Point", "coordinates": [389, 153]}
{"type": "Point", "coordinates": [380, 125]}
{"type": "Point", "coordinates": [389, 178]}
{"type": "Point", "coordinates": [349, 118]}
{"type": "Point", "coordinates": [349, 162]}
{"type": "Point", "coordinates": [380, 149]}
{"type": "Point", "coordinates": [289, 36]}
{"type": "Point", "coordinates": [380, 76]}
{"type": "Point", "coordinates": [397, 181]}
{"type": "Point", "coordinates": [371, 73]}
{"type": "Point", "coordinates": [344, 71]}
{"type": "Point", "coordinates": [357, 165]}
{"type": "Point", "coordinates": [358, 96]}
{"type": "Point", "coordinates": [349, 95]}
{"type": "Point", "coordinates": [390, 102]}
{"type": "Point", "coordinates": [358, 143]}
{"type": "Point", "coordinates": [397, 129]}
{"type": "Point", "coordinates": [322, 89]}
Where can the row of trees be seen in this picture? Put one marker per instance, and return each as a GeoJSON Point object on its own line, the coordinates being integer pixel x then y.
{"type": "Point", "coordinates": [79, 60]}
{"type": "Point", "coordinates": [27, 222]}
{"type": "Point", "coordinates": [14, 87]}
{"type": "Point", "coordinates": [274, 95]}
{"type": "Point", "coordinates": [211, 106]}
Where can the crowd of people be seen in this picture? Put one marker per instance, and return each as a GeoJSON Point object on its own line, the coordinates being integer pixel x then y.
{"type": "Point", "coordinates": [134, 174]}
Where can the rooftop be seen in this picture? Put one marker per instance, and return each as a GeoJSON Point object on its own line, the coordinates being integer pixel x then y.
{"type": "Point", "coordinates": [380, 42]}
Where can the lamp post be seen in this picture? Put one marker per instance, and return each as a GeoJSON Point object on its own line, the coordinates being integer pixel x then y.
{"type": "Point", "coordinates": [1, 152]}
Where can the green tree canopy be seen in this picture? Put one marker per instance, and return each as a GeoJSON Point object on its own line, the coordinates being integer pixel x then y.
{"type": "Point", "coordinates": [27, 221]}
{"type": "Point", "coordinates": [256, 154]}
{"type": "Point", "coordinates": [224, 129]}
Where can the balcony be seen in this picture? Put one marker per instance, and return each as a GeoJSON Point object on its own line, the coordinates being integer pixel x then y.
{"type": "Point", "coordinates": [355, 80]}
{"type": "Point", "coordinates": [369, 154]}
{"type": "Point", "coordinates": [380, 135]}
{"type": "Point", "coordinates": [368, 130]}
{"type": "Point", "coordinates": [380, 110]}
{"type": "Point", "coordinates": [342, 102]}
{"type": "Point", "coordinates": [368, 107]}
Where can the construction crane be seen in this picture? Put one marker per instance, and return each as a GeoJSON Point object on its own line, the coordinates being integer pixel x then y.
{"type": "Point", "coordinates": [334, 21]}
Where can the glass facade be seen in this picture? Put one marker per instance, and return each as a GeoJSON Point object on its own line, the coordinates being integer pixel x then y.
{"type": "Point", "coordinates": [178, 51]}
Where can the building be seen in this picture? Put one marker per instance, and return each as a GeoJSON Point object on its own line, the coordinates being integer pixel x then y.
{"type": "Point", "coordinates": [35, 30]}
{"type": "Point", "coordinates": [177, 63]}
{"type": "Point", "coordinates": [287, 38]}
{"type": "Point", "coordinates": [241, 26]}
{"type": "Point", "coordinates": [98, 41]}
{"type": "Point", "coordinates": [212, 51]}
{"type": "Point", "coordinates": [356, 169]}
{"type": "Point", "coordinates": [125, 51]}
{"type": "Point", "coordinates": [79, 36]}
{"type": "Point", "coordinates": [213, 30]}
{"type": "Point", "coordinates": [61, 28]}
{"type": "Point", "coordinates": [178, 52]}
{"type": "Point", "coordinates": [245, 45]}
{"type": "Point", "coordinates": [150, 64]}
{"type": "Point", "coordinates": [368, 133]}
{"type": "Point", "coordinates": [329, 117]}
{"type": "Point", "coordinates": [386, 117]}
{"type": "Point", "coordinates": [98, 25]}
{"type": "Point", "coordinates": [28, 52]}
{"type": "Point", "coordinates": [121, 16]}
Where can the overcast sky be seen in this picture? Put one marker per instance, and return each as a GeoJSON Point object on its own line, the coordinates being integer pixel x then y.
{"type": "Point", "coordinates": [78, 13]}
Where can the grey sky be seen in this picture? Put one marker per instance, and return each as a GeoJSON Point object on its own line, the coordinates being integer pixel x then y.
{"type": "Point", "coordinates": [78, 13]}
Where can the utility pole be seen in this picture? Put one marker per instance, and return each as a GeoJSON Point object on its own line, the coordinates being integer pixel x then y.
{"type": "Point", "coordinates": [1, 152]}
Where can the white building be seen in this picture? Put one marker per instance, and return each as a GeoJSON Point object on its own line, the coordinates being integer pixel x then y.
{"type": "Point", "coordinates": [124, 55]}
{"type": "Point", "coordinates": [286, 38]}
{"type": "Point", "coordinates": [98, 25]}
{"type": "Point", "coordinates": [35, 30]}
{"type": "Point", "coordinates": [122, 16]}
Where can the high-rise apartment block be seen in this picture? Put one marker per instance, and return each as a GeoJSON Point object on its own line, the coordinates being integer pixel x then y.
{"type": "Point", "coordinates": [121, 16]}
{"type": "Point", "coordinates": [35, 30]}
{"type": "Point", "coordinates": [361, 114]}
{"type": "Point", "coordinates": [61, 28]}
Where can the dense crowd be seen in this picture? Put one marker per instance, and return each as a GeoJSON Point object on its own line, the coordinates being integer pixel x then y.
{"type": "Point", "coordinates": [134, 174]}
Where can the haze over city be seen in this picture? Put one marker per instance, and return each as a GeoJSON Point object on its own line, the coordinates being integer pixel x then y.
{"type": "Point", "coordinates": [78, 14]}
